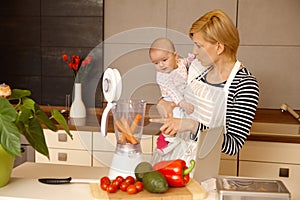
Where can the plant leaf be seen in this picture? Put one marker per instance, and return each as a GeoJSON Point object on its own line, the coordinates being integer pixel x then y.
{"type": "Point", "coordinates": [61, 121]}
{"type": "Point", "coordinates": [18, 94]}
{"type": "Point", "coordinates": [25, 115]}
{"type": "Point", "coordinates": [10, 138]}
{"type": "Point", "coordinates": [9, 132]}
{"type": "Point", "coordinates": [43, 118]}
{"type": "Point", "coordinates": [35, 136]}
{"type": "Point", "coordinates": [27, 103]}
{"type": "Point", "coordinates": [7, 111]}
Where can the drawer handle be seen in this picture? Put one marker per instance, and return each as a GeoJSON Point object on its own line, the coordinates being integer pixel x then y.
{"type": "Point", "coordinates": [62, 156]}
{"type": "Point", "coordinates": [62, 137]}
{"type": "Point", "coordinates": [284, 172]}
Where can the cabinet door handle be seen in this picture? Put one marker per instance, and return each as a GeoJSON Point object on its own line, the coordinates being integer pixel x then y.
{"type": "Point", "coordinates": [62, 156]}
{"type": "Point", "coordinates": [284, 172]}
{"type": "Point", "coordinates": [62, 137]}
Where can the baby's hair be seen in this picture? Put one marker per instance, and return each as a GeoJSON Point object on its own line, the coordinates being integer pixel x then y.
{"type": "Point", "coordinates": [164, 44]}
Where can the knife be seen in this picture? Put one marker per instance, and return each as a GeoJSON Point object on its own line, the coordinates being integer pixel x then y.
{"type": "Point", "coordinates": [56, 181]}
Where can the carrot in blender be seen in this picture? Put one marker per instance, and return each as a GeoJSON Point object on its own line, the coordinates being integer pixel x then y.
{"type": "Point", "coordinates": [129, 137]}
{"type": "Point", "coordinates": [123, 139]}
{"type": "Point", "coordinates": [126, 125]}
{"type": "Point", "coordinates": [135, 122]}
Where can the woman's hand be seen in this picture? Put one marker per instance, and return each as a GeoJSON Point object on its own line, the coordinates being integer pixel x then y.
{"type": "Point", "coordinates": [165, 108]}
{"type": "Point", "coordinates": [173, 125]}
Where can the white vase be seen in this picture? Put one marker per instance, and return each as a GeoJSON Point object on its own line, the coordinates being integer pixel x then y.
{"type": "Point", "coordinates": [77, 109]}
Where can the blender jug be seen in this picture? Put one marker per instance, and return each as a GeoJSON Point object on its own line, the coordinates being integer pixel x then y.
{"type": "Point", "coordinates": [128, 124]}
{"type": "Point", "coordinates": [128, 117]}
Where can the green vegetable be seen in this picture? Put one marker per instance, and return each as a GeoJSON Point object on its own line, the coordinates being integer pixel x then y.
{"type": "Point", "coordinates": [141, 169]}
{"type": "Point", "coordinates": [155, 182]}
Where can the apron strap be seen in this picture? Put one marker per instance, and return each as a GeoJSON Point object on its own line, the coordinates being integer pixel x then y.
{"type": "Point", "coordinates": [233, 72]}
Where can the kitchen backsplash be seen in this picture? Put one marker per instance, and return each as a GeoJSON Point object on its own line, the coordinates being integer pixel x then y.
{"type": "Point", "coordinates": [35, 33]}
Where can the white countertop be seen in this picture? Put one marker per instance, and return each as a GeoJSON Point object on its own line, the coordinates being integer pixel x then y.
{"type": "Point", "coordinates": [24, 182]}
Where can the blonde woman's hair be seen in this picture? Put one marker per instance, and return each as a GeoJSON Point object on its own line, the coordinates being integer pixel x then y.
{"type": "Point", "coordinates": [216, 26]}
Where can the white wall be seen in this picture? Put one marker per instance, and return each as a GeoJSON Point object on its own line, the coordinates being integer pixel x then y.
{"type": "Point", "coordinates": [269, 32]}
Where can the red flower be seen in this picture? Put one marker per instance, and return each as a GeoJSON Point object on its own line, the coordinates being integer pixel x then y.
{"type": "Point", "coordinates": [70, 65]}
{"type": "Point", "coordinates": [76, 62]}
{"type": "Point", "coordinates": [65, 57]}
{"type": "Point", "coordinates": [75, 66]}
{"type": "Point", "coordinates": [76, 59]}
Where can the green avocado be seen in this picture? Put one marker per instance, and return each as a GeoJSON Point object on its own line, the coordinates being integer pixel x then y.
{"type": "Point", "coordinates": [155, 182]}
{"type": "Point", "coordinates": [141, 169]}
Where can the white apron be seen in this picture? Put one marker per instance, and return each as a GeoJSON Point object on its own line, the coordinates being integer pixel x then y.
{"type": "Point", "coordinates": [209, 108]}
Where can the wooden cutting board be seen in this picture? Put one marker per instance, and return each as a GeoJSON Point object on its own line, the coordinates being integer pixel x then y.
{"type": "Point", "coordinates": [192, 191]}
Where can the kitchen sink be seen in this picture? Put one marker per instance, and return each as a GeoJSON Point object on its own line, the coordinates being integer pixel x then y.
{"type": "Point", "coordinates": [240, 188]}
{"type": "Point", "coordinates": [275, 128]}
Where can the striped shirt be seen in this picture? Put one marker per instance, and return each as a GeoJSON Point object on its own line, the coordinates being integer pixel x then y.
{"type": "Point", "coordinates": [241, 107]}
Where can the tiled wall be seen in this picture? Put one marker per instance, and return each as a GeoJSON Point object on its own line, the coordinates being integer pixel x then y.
{"type": "Point", "coordinates": [269, 32]}
{"type": "Point", "coordinates": [34, 34]}
{"type": "Point", "coordinates": [270, 46]}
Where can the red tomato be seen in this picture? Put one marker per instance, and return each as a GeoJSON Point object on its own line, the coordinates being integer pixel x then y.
{"type": "Point", "coordinates": [104, 182]}
{"type": "Point", "coordinates": [111, 188]}
{"type": "Point", "coordinates": [105, 179]}
{"type": "Point", "coordinates": [131, 189]}
{"type": "Point", "coordinates": [139, 186]}
{"type": "Point", "coordinates": [130, 179]}
{"type": "Point", "coordinates": [117, 183]}
{"type": "Point", "coordinates": [124, 186]}
{"type": "Point", "coordinates": [104, 186]}
{"type": "Point", "coordinates": [120, 178]}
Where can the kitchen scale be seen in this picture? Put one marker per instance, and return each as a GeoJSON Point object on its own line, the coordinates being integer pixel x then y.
{"type": "Point", "coordinates": [128, 119]}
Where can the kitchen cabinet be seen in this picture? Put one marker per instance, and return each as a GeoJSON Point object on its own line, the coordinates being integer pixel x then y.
{"type": "Point", "coordinates": [154, 143]}
{"type": "Point", "coordinates": [64, 150]}
{"type": "Point", "coordinates": [272, 160]}
{"type": "Point", "coordinates": [103, 149]}
{"type": "Point", "coordinates": [87, 148]}
{"type": "Point", "coordinates": [228, 165]}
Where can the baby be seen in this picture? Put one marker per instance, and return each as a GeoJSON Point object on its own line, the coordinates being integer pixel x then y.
{"type": "Point", "coordinates": [171, 76]}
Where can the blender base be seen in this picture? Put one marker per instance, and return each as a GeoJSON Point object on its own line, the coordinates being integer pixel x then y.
{"type": "Point", "coordinates": [124, 165]}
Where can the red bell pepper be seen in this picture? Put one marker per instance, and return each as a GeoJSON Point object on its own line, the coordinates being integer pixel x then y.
{"type": "Point", "coordinates": [175, 171]}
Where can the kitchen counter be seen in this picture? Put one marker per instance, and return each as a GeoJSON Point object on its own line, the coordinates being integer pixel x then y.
{"type": "Point", "coordinates": [275, 116]}
{"type": "Point", "coordinates": [24, 184]}
{"type": "Point", "coordinates": [93, 120]}
{"type": "Point", "coordinates": [262, 115]}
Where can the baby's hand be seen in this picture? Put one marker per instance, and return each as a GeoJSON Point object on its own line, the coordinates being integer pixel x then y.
{"type": "Point", "coordinates": [188, 107]}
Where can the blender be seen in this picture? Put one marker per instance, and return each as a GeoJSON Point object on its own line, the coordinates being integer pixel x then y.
{"type": "Point", "coordinates": [128, 119]}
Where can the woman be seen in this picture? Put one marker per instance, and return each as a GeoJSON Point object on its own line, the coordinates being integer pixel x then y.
{"type": "Point", "coordinates": [221, 89]}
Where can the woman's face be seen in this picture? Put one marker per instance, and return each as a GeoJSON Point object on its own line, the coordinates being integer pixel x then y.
{"type": "Point", "coordinates": [204, 51]}
{"type": "Point", "coordinates": [164, 61]}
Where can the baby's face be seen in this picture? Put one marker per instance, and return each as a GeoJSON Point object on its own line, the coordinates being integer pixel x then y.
{"type": "Point", "coordinates": [164, 61]}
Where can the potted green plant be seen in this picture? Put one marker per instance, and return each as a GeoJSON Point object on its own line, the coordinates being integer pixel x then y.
{"type": "Point", "coordinates": [21, 115]}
